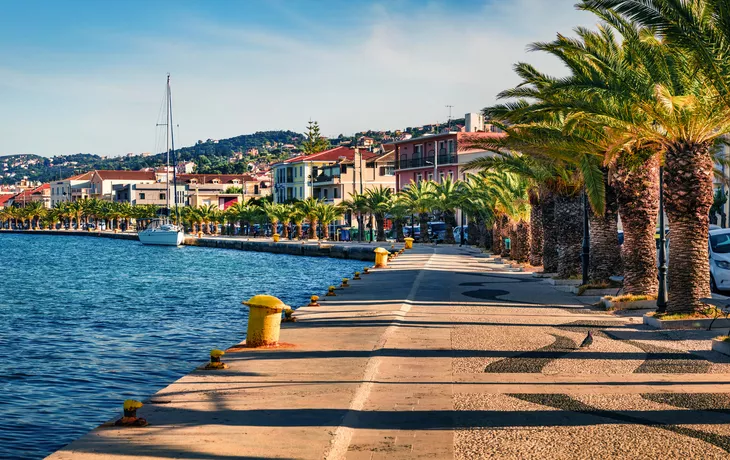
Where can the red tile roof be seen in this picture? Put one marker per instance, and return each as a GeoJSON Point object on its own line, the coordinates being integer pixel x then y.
{"type": "Point", "coordinates": [5, 198]}
{"type": "Point", "coordinates": [332, 155]}
{"type": "Point", "coordinates": [208, 178]}
{"type": "Point", "coordinates": [27, 194]}
{"type": "Point", "coordinates": [84, 176]}
{"type": "Point", "coordinates": [126, 175]}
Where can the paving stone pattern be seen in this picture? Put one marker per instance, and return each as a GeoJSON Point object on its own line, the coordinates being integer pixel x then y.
{"type": "Point", "coordinates": [446, 354]}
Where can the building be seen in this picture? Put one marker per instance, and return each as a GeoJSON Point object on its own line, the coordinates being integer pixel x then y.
{"type": "Point", "coordinates": [156, 193]}
{"type": "Point", "coordinates": [416, 159]}
{"type": "Point", "coordinates": [6, 200]}
{"type": "Point", "coordinates": [221, 190]}
{"type": "Point", "coordinates": [72, 189]}
{"type": "Point", "coordinates": [105, 185]}
{"type": "Point", "coordinates": [331, 175]}
{"type": "Point", "coordinates": [41, 193]}
{"type": "Point", "coordinates": [186, 167]}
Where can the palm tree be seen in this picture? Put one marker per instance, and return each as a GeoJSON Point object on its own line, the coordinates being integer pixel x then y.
{"type": "Point", "coordinates": [309, 209]}
{"type": "Point", "coordinates": [447, 198]}
{"type": "Point", "coordinates": [378, 202]}
{"type": "Point", "coordinates": [207, 215]}
{"type": "Point", "coordinates": [297, 216]}
{"type": "Point", "coordinates": [325, 215]}
{"type": "Point", "coordinates": [34, 211]}
{"type": "Point", "coordinates": [399, 213]}
{"type": "Point", "coordinates": [357, 204]}
{"type": "Point", "coordinates": [283, 213]}
{"type": "Point", "coordinates": [419, 198]}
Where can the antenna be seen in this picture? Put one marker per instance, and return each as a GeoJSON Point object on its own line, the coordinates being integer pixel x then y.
{"type": "Point", "coordinates": [449, 107]}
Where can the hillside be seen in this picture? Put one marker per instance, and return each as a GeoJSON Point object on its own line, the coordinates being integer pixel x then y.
{"type": "Point", "coordinates": [210, 156]}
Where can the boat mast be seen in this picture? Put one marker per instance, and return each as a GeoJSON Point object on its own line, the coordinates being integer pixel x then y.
{"type": "Point", "coordinates": [174, 156]}
{"type": "Point", "coordinates": [167, 147]}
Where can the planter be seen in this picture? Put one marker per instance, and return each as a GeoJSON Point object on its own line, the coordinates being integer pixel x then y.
{"type": "Point", "coordinates": [648, 304]}
{"type": "Point", "coordinates": [563, 282]}
{"type": "Point", "coordinates": [721, 346]}
{"type": "Point", "coordinates": [598, 292]}
{"type": "Point", "coordinates": [693, 323]}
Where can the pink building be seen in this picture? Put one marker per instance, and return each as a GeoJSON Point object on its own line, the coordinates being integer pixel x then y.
{"type": "Point", "coordinates": [419, 158]}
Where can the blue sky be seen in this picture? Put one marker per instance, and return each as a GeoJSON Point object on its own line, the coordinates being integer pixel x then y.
{"type": "Point", "coordinates": [88, 75]}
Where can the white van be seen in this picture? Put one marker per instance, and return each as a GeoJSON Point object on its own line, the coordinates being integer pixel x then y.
{"type": "Point", "coordinates": [719, 259]}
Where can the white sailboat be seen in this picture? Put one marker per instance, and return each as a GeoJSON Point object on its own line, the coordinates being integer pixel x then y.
{"type": "Point", "coordinates": [162, 231]}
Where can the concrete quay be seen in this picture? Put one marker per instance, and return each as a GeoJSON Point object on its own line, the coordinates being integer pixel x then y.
{"type": "Point", "coordinates": [338, 250]}
{"type": "Point", "coordinates": [443, 355]}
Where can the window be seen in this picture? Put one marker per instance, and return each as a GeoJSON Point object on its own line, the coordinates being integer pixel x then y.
{"type": "Point", "coordinates": [417, 150]}
{"type": "Point", "coordinates": [419, 177]}
{"type": "Point", "coordinates": [236, 181]}
{"type": "Point", "coordinates": [255, 189]}
{"type": "Point", "coordinates": [141, 196]}
{"type": "Point", "coordinates": [441, 177]}
{"type": "Point", "coordinates": [301, 171]}
{"type": "Point", "coordinates": [451, 175]}
{"type": "Point", "coordinates": [430, 176]}
{"type": "Point", "coordinates": [301, 192]}
{"type": "Point", "coordinates": [162, 196]}
{"type": "Point", "coordinates": [325, 193]}
{"type": "Point", "coordinates": [451, 146]}
{"type": "Point", "coordinates": [343, 169]}
{"type": "Point", "coordinates": [216, 181]}
{"type": "Point", "coordinates": [335, 194]}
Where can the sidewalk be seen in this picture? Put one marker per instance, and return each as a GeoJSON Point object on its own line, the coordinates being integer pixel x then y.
{"type": "Point", "coordinates": [444, 356]}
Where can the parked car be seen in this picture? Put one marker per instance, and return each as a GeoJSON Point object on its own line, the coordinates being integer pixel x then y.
{"type": "Point", "coordinates": [437, 231]}
{"type": "Point", "coordinates": [457, 233]}
{"type": "Point", "coordinates": [719, 247]}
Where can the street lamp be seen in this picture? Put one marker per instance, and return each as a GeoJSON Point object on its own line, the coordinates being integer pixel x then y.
{"type": "Point", "coordinates": [661, 300]}
{"type": "Point", "coordinates": [585, 256]}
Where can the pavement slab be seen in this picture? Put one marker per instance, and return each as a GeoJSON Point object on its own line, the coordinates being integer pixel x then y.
{"type": "Point", "coordinates": [445, 354]}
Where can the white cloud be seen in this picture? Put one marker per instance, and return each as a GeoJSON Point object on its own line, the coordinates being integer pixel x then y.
{"type": "Point", "coordinates": [390, 71]}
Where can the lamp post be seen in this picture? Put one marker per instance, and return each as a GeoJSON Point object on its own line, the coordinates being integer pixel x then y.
{"type": "Point", "coordinates": [585, 255]}
{"type": "Point", "coordinates": [413, 234]}
{"type": "Point", "coordinates": [661, 300]}
{"type": "Point", "coordinates": [463, 223]}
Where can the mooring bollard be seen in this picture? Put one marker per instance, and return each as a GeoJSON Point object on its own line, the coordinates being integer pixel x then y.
{"type": "Point", "coordinates": [344, 283]}
{"type": "Point", "coordinates": [409, 243]}
{"type": "Point", "coordinates": [130, 414]}
{"type": "Point", "coordinates": [215, 360]}
{"type": "Point", "coordinates": [264, 321]}
{"type": "Point", "coordinates": [366, 271]}
{"type": "Point", "coordinates": [331, 292]}
{"type": "Point", "coordinates": [313, 301]}
{"type": "Point", "coordinates": [357, 276]}
{"type": "Point", "coordinates": [381, 257]}
{"type": "Point", "coordinates": [276, 237]}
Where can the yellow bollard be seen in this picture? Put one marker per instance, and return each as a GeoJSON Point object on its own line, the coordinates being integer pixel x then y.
{"type": "Point", "coordinates": [392, 246]}
{"type": "Point", "coordinates": [276, 237]}
{"type": "Point", "coordinates": [357, 276]}
{"type": "Point", "coordinates": [331, 292]}
{"type": "Point", "coordinates": [366, 271]}
{"type": "Point", "coordinates": [344, 283]}
{"type": "Point", "coordinates": [313, 301]}
{"type": "Point", "coordinates": [130, 414]}
{"type": "Point", "coordinates": [215, 360]}
{"type": "Point", "coordinates": [409, 243]}
{"type": "Point", "coordinates": [289, 315]}
{"type": "Point", "coordinates": [381, 258]}
{"type": "Point", "coordinates": [264, 321]}
{"type": "Point", "coordinates": [200, 234]}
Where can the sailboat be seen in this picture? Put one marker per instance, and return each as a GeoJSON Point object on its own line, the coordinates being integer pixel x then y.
{"type": "Point", "coordinates": [162, 231]}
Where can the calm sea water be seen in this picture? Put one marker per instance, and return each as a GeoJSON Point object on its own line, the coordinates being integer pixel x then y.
{"type": "Point", "coordinates": [86, 323]}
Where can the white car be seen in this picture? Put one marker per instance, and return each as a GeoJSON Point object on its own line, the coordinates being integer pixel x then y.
{"type": "Point", "coordinates": [720, 259]}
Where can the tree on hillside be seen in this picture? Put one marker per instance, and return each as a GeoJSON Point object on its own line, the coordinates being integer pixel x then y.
{"type": "Point", "coordinates": [314, 142]}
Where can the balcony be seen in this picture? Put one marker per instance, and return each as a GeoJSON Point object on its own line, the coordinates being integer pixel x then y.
{"type": "Point", "coordinates": [444, 158]}
{"type": "Point", "coordinates": [327, 179]}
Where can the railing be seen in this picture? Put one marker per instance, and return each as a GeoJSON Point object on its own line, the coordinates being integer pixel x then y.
{"type": "Point", "coordinates": [443, 159]}
{"type": "Point", "coordinates": [325, 178]}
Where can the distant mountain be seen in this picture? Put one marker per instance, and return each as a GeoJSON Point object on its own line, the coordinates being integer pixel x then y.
{"type": "Point", "coordinates": [210, 156]}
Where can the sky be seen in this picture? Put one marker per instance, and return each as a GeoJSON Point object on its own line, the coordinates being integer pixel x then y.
{"type": "Point", "coordinates": [88, 76]}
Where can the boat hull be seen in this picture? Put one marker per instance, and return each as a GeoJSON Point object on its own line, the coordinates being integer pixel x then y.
{"type": "Point", "coordinates": [161, 237]}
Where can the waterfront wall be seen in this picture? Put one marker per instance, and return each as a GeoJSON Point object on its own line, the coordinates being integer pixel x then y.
{"type": "Point", "coordinates": [337, 251]}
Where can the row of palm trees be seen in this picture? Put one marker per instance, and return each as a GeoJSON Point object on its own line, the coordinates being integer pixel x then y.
{"type": "Point", "coordinates": [648, 94]}
{"type": "Point", "coordinates": [78, 214]}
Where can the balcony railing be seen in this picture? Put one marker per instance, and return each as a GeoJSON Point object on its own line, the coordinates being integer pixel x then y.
{"type": "Point", "coordinates": [443, 159]}
{"type": "Point", "coordinates": [326, 178]}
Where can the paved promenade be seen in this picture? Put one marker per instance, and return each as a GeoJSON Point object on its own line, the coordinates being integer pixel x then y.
{"type": "Point", "coordinates": [444, 355]}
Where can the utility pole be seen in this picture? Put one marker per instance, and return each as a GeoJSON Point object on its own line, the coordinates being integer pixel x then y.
{"type": "Point", "coordinates": [449, 124]}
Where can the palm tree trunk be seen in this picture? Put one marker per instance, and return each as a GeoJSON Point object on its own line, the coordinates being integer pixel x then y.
{"type": "Point", "coordinates": [325, 230]}
{"type": "Point", "coordinates": [423, 218]}
{"type": "Point", "coordinates": [476, 226]}
{"type": "Point", "coordinates": [399, 236]}
{"type": "Point", "coordinates": [505, 227]}
{"type": "Point", "coordinates": [497, 242]}
{"type": "Point", "coordinates": [521, 244]}
{"type": "Point", "coordinates": [688, 174]}
{"type": "Point", "coordinates": [450, 221]}
{"type": "Point", "coordinates": [549, 233]}
{"type": "Point", "coordinates": [569, 226]}
{"type": "Point", "coordinates": [637, 192]}
{"type": "Point", "coordinates": [380, 222]}
{"type": "Point", "coordinates": [298, 231]}
{"type": "Point", "coordinates": [605, 252]}
{"type": "Point", "coordinates": [536, 240]}
{"type": "Point", "coordinates": [312, 229]}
